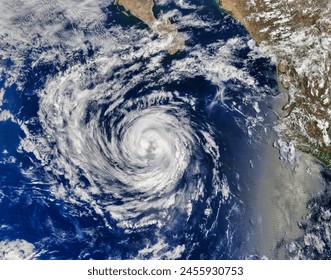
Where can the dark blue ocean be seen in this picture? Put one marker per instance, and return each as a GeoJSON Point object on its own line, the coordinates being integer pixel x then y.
{"type": "Point", "coordinates": [64, 225]}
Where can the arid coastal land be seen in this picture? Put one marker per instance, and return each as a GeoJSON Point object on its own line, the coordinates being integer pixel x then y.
{"type": "Point", "coordinates": [143, 9]}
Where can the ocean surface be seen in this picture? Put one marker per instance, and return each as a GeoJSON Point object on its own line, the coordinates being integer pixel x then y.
{"type": "Point", "coordinates": [110, 148]}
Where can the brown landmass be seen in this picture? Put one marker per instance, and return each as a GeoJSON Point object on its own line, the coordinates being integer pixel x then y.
{"type": "Point", "coordinates": [143, 10]}
{"type": "Point", "coordinates": [298, 33]}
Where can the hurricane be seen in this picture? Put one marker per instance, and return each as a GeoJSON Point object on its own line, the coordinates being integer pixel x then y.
{"type": "Point", "coordinates": [123, 150]}
{"type": "Point", "coordinates": [143, 152]}
{"type": "Point", "coordinates": [139, 154]}
{"type": "Point", "coordinates": [135, 146]}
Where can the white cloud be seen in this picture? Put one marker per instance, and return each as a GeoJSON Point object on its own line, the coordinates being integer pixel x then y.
{"type": "Point", "coordinates": [17, 250]}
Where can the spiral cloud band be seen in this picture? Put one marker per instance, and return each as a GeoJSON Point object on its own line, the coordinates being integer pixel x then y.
{"type": "Point", "coordinates": [140, 156]}
{"type": "Point", "coordinates": [111, 148]}
{"type": "Point", "coordinates": [139, 142]}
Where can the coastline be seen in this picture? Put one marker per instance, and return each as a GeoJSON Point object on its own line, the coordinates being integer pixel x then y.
{"type": "Point", "coordinates": [275, 206]}
{"type": "Point", "coordinates": [143, 10]}
{"type": "Point", "coordinates": [298, 36]}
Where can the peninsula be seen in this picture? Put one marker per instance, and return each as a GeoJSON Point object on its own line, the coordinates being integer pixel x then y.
{"type": "Point", "coordinates": [143, 10]}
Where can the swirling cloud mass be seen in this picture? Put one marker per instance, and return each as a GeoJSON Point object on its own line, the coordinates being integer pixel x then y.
{"type": "Point", "coordinates": [122, 150]}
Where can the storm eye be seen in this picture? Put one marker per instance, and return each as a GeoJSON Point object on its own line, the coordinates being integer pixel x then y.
{"type": "Point", "coordinates": [141, 129]}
